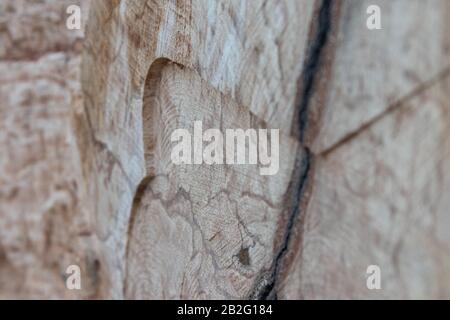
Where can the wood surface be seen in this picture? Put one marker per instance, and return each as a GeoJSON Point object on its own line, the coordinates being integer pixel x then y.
{"type": "Point", "coordinates": [86, 177]}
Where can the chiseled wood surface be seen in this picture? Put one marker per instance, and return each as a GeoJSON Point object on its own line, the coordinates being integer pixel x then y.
{"type": "Point", "coordinates": [86, 176]}
{"type": "Point", "coordinates": [243, 50]}
{"type": "Point", "coordinates": [211, 228]}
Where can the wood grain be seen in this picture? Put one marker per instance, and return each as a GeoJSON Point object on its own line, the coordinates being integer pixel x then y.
{"type": "Point", "coordinates": [381, 199]}
{"type": "Point", "coordinates": [211, 236]}
{"type": "Point", "coordinates": [86, 178]}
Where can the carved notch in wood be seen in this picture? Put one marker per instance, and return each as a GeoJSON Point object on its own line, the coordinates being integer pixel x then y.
{"type": "Point", "coordinates": [200, 231]}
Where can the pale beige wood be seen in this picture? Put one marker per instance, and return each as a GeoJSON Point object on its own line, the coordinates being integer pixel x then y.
{"type": "Point", "coordinates": [201, 231]}
{"type": "Point", "coordinates": [368, 181]}
{"type": "Point", "coordinates": [244, 50]}
{"type": "Point", "coordinates": [45, 223]}
{"type": "Point", "coordinates": [250, 53]}
{"type": "Point", "coordinates": [372, 70]}
{"type": "Point", "coordinates": [86, 117]}
{"type": "Point", "coordinates": [382, 199]}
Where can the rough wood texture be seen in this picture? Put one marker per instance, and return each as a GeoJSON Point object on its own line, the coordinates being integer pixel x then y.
{"type": "Point", "coordinates": [375, 70]}
{"type": "Point", "coordinates": [86, 177]}
{"type": "Point", "coordinates": [44, 223]}
{"type": "Point", "coordinates": [381, 143]}
{"type": "Point", "coordinates": [212, 235]}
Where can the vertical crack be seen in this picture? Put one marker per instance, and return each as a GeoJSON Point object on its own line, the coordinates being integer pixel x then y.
{"type": "Point", "coordinates": [312, 65]}
{"type": "Point", "coordinates": [265, 288]}
{"type": "Point", "coordinates": [266, 285]}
